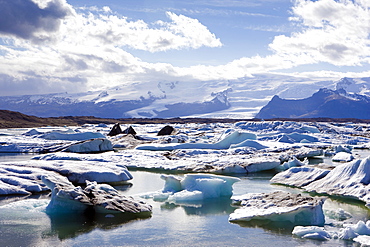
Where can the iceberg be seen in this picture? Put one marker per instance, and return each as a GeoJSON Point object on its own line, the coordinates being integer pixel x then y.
{"type": "Point", "coordinates": [364, 240]}
{"type": "Point", "coordinates": [24, 177]}
{"type": "Point", "coordinates": [195, 187]}
{"type": "Point", "coordinates": [233, 138]}
{"type": "Point", "coordinates": [343, 157]}
{"type": "Point", "coordinates": [359, 231]}
{"type": "Point", "coordinates": [91, 146]}
{"type": "Point", "coordinates": [57, 135]}
{"type": "Point", "coordinates": [279, 206]}
{"type": "Point", "coordinates": [95, 198]}
{"type": "Point", "coordinates": [348, 180]}
{"type": "Point", "coordinates": [311, 232]}
{"type": "Point", "coordinates": [299, 176]}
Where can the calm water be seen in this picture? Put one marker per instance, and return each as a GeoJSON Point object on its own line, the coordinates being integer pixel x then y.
{"type": "Point", "coordinates": [204, 224]}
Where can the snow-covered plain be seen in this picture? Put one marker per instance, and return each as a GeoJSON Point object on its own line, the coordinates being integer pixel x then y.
{"type": "Point", "coordinates": [315, 156]}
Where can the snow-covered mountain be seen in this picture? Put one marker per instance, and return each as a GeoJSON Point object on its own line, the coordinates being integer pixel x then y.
{"type": "Point", "coordinates": [324, 103]}
{"type": "Point", "coordinates": [242, 98]}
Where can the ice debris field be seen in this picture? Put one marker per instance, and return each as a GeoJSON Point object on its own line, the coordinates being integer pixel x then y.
{"type": "Point", "coordinates": [201, 161]}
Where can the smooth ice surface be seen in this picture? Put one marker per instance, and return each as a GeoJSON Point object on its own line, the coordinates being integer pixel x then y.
{"type": "Point", "coordinates": [279, 206]}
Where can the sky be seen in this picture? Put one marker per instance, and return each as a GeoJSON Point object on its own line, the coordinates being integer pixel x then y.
{"type": "Point", "coordinates": [53, 46]}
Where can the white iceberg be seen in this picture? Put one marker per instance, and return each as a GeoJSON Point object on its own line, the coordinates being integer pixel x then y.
{"type": "Point", "coordinates": [195, 187]}
{"type": "Point", "coordinates": [233, 138]}
{"type": "Point", "coordinates": [57, 135]}
{"type": "Point", "coordinates": [24, 177]}
{"type": "Point", "coordinates": [348, 180]}
{"type": "Point", "coordinates": [91, 146]}
{"type": "Point", "coordinates": [343, 157]}
{"type": "Point", "coordinates": [95, 198]}
{"type": "Point", "coordinates": [364, 240]}
{"type": "Point", "coordinates": [293, 162]}
{"type": "Point", "coordinates": [299, 176]}
{"type": "Point", "coordinates": [311, 232]}
{"type": "Point", "coordinates": [279, 206]}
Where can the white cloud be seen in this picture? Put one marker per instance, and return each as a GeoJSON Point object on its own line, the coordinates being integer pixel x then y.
{"type": "Point", "coordinates": [336, 32]}
{"type": "Point", "coordinates": [87, 48]}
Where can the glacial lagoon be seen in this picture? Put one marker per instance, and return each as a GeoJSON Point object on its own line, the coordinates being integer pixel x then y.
{"type": "Point", "coordinates": [188, 224]}
{"type": "Point", "coordinates": [24, 221]}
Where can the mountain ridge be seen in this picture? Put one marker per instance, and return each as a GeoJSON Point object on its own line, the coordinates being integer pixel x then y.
{"type": "Point", "coordinates": [324, 103]}
{"type": "Point", "coordinates": [241, 98]}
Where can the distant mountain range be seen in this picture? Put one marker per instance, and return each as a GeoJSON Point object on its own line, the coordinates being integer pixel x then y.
{"type": "Point", "coordinates": [324, 103]}
{"type": "Point", "coordinates": [242, 98]}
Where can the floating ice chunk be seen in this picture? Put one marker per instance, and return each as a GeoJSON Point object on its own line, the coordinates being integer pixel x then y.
{"type": "Point", "coordinates": [8, 189]}
{"type": "Point", "coordinates": [299, 176]}
{"type": "Point", "coordinates": [338, 214]}
{"type": "Point", "coordinates": [341, 148]}
{"type": "Point", "coordinates": [343, 157]}
{"type": "Point", "coordinates": [55, 135]}
{"type": "Point", "coordinates": [261, 164]}
{"type": "Point", "coordinates": [95, 145]}
{"type": "Point", "coordinates": [360, 227]}
{"type": "Point", "coordinates": [279, 206]}
{"type": "Point", "coordinates": [185, 195]}
{"type": "Point", "coordinates": [338, 149]}
{"type": "Point", "coordinates": [348, 179]}
{"type": "Point", "coordinates": [95, 198]}
{"type": "Point", "coordinates": [249, 143]}
{"type": "Point", "coordinates": [311, 232]}
{"type": "Point", "coordinates": [312, 129]}
{"type": "Point", "coordinates": [32, 132]}
{"type": "Point", "coordinates": [32, 205]}
{"type": "Point", "coordinates": [25, 177]}
{"type": "Point", "coordinates": [364, 240]}
{"type": "Point", "coordinates": [194, 187]}
{"type": "Point", "coordinates": [347, 233]}
{"type": "Point", "coordinates": [297, 137]}
{"type": "Point", "coordinates": [233, 138]}
{"type": "Point", "coordinates": [294, 162]}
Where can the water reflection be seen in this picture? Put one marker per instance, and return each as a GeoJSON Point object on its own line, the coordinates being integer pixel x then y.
{"type": "Point", "coordinates": [67, 226]}
{"type": "Point", "coordinates": [279, 227]}
{"type": "Point", "coordinates": [202, 208]}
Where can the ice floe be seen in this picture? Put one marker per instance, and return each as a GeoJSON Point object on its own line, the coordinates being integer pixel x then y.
{"type": "Point", "coordinates": [279, 206]}
{"type": "Point", "coordinates": [25, 177]}
{"type": "Point", "coordinates": [347, 179]}
{"type": "Point", "coordinates": [343, 157]}
{"type": "Point", "coordinates": [359, 231]}
{"type": "Point", "coordinates": [94, 198]}
{"type": "Point", "coordinates": [299, 176]}
{"type": "Point", "coordinates": [194, 187]}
